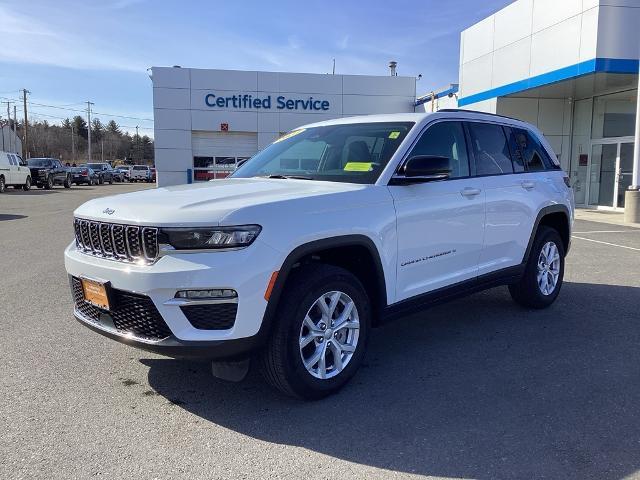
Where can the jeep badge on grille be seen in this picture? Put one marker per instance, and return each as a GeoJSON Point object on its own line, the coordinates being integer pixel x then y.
{"type": "Point", "coordinates": [109, 211]}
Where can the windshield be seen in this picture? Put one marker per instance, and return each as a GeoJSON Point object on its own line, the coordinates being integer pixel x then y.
{"type": "Point", "coordinates": [351, 153]}
{"type": "Point", "coordinates": [39, 162]}
{"type": "Point", "coordinates": [97, 166]}
{"type": "Point", "coordinates": [138, 167]}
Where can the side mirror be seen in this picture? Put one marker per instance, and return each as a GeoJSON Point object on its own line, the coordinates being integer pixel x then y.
{"type": "Point", "coordinates": [421, 169]}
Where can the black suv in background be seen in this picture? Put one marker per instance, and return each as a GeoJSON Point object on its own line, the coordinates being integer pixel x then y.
{"type": "Point", "coordinates": [105, 172]}
{"type": "Point", "coordinates": [47, 172]}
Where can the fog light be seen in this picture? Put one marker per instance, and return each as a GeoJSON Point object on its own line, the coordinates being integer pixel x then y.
{"type": "Point", "coordinates": [207, 294]}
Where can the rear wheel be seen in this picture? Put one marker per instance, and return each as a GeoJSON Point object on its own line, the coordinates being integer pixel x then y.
{"type": "Point", "coordinates": [27, 184]}
{"type": "Point", "coordinates": [544, 272]}
{"type": "Point", "coordinates": [67, 182]}
{"type": "Point", "coordinates": [321, 334]}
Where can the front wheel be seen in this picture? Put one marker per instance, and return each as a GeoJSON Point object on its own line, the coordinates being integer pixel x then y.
{"type": "Point", "coordinates": [49, 184]}
{"type": "Point", "coordinates": [321, 334]}
{"type": "Point", "coordinates": [3, 185]}
{"type": "Point", "coordinates": [27, 184]}
{"type": "Point", "coordinates": [544, 272]}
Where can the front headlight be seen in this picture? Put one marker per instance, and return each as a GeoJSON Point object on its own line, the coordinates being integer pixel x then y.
{"type": "Point", "coordinates": [209, 237]}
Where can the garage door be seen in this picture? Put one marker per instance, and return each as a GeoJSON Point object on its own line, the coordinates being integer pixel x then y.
{"type": "Point", "coordinates": [218, 144]}
{"type": "Point", "coordinates": [216, 154]}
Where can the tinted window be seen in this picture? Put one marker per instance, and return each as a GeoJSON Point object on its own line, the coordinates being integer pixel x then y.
{"type": "Point", "coordinates": [39, 162]}
{"type": "Point", "coordinates": [12, 160]}
{"type": "Point", "coordinates": [516, 154]}
{"type": "Point", "coordinates": [445, 139]}
{"type": "Point", "coordinates": [531, 151]}
{"type": "Point", "coordinates": [490, 148]}
{"type": "Point", "coordinates": [535, 156]}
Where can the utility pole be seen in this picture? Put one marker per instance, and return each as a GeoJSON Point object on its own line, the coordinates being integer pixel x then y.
{"type": "Point", "coordinates": [102, 151]}
{"type": "Point", "coordinates": [9, 124]}
{"type": "Point", "coordinates": [15, 125]}
{"type": "Point", "coordinates": [138, 145]}
{"type": "Point", "coordinates": [25, 145]}
{"type": "Point", "coordinates": [73, 146]}
{"type": "Point", "coordinates": [89, 130]}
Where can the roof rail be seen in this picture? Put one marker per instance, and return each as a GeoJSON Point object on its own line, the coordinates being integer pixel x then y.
{"type": "Point", "coordinates": [477, 111]}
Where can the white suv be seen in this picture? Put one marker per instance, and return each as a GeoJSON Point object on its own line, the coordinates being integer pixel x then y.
{"type": "Point", "coordinates": [331, 230]}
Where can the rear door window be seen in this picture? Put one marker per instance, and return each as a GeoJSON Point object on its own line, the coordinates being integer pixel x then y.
{"type": "Point", "coordinates": [490, 149]}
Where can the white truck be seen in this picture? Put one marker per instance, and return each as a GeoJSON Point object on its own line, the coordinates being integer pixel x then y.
{"type": "Point", "coordinates": [333, 229]}
{"type": "Point", "coordinates": [140, 173]}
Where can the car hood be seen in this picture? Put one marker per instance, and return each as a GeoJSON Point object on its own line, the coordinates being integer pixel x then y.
{"type": "Point", "coordinates": [207, 203]}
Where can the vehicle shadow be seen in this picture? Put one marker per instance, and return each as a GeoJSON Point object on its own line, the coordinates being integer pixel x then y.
{"type": "Point", "coordinates": [8, 216]}
{"type": "Point", "coordinates": [478, 388]}
{"type": "Point", "coordinates": [33, 191]}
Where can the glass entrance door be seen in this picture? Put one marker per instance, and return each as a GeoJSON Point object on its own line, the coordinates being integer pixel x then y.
{"type": "Point", "coordinates": [625, 171]}
{"type": "Point", "coordinates": [610, 168]}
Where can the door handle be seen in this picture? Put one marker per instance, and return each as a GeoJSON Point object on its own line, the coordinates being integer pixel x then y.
{"type": "Point", "coordinates": [527, 185]}
{"type": "Point", "coordinates": [470, 192]}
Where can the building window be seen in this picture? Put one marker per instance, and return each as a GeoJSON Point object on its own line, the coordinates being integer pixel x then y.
{"type": "Point", "coordinates": [614, 115]}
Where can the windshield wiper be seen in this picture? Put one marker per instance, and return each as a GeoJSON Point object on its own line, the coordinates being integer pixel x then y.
{"type": "Point", "coordinates": [295, 177]}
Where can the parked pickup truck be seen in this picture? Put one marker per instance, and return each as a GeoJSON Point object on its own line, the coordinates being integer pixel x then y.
{"type": "Point", "coordinates": [140, 173]}
{"type": "Point", "coordinates": [47, 172]}
{"type": "Point", "coordinates": [329, 231]}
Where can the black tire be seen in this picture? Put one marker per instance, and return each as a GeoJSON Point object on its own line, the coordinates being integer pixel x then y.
{"type": "Point", "coordinates": [67, 182]}
{"type": "Point", "coordinates": [281, 360]}
{"type": "Point", "coordinates": [527, 291]}
{"type": "Point", "coordinates": [111, 181]}
{"type": "Point", "coordinates": [27, 184]}
{"type": "Point", "coordinates": [49, 184]}
{"type": "Point", "coordinates": [3, 185]}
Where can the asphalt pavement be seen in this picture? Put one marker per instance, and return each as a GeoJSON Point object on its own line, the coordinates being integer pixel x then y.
{"type": "Point", "coordinates": [478, 388]}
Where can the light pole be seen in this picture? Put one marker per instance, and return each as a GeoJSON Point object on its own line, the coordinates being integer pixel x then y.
{"type": "Point", "coordinates": [89, 130]}
{"type": "Point", "coordinates": [632, 196]}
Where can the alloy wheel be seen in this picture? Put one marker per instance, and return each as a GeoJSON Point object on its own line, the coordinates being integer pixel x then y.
{"type": "Point", "coordinates": [548, 268]}
{"type": "Point", "coordinates": [329, 334]}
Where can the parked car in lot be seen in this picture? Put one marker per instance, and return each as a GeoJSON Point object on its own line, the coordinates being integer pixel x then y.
{"type": "Point", "coordinates": [104, 171]}
{"type": "Point", "coordinates": [47, 172]}
{"type": "Point", "coordinates": [84, 175]}
{"type": "Point", "coordinates": [14, 172]}
{"type": "Point", "coordinates": [123, 173]}
{"type": "Point", "coordinates": [333, 229]}
{"type": "Point", "coordinates": [140, 173]}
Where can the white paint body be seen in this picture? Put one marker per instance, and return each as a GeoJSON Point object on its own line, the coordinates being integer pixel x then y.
{"type": "Point", "coordinates": [487, 231]}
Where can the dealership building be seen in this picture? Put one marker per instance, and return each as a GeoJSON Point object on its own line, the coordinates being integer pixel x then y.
{"type": "Point", "coordinates": [569, 67]}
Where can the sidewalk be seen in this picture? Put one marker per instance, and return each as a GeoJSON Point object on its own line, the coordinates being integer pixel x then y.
{"type": "Point", "coordinates": [603, 216]}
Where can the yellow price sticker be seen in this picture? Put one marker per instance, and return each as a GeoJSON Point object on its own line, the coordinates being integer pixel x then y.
{"type": "Point", "coordinates": [394, 135]}
{"type": "Point", "coordinates": [358, 167]}
{"type": "Point", "coordinates": [292, 133]}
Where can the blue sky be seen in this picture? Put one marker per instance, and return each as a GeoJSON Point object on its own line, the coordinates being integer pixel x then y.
{"type": "Point", "coordinates": [66, 52]}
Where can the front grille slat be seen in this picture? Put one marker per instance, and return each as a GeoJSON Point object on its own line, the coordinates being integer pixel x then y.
{"type": "Point", "coordinates": [125, 243]}
{"type": "Point", "coordinates": [131, 313]}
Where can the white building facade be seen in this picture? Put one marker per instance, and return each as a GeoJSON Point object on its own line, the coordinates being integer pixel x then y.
{"type": "Point", "coordinates": [205, 121]}
{"type": "Point", "coordinates": [571, 68]}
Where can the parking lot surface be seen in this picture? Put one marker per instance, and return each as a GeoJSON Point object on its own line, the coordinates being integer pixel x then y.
{"type": "Point", "coordinates": [478, 388]}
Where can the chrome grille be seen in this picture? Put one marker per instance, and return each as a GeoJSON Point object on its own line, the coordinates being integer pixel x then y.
{"type": "Point", "coordinates": [125, 243]}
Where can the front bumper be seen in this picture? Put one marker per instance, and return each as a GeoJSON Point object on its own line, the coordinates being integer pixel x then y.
{"type": "Point", "coordinates": [246, 271]}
